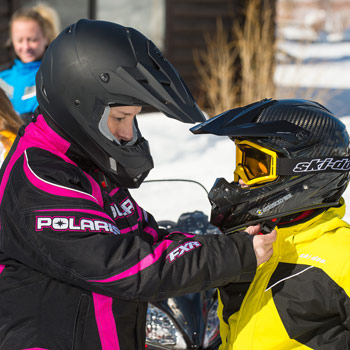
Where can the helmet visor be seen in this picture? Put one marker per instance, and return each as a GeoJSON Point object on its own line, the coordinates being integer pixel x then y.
{"type": "Point", "coordinates": [254, 164]}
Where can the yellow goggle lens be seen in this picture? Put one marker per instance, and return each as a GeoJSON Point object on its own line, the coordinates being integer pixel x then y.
{"type": "Point", "coordinates": [254, 163]}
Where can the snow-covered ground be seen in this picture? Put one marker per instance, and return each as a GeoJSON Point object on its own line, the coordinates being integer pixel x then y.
{"type": "Point", "coordinates": [319, 71]}
{"type": "Point", "coordinates": [178, 154]}
{"type": "Point", "coordinates": [317, 65]}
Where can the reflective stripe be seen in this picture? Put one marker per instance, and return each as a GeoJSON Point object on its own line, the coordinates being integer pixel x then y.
{"type": "Point", "coordinates": [96, 190]}
{"type": "Point", "coordinates": [287, 278]}
{"type": "Point", "coordinates": [51, 187]}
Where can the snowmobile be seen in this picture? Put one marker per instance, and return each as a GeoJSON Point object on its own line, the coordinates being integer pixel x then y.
{"type": "Point", "coordinates": [189, 321]}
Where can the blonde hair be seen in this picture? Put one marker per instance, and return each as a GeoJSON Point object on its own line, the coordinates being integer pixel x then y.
{"type": "Point", "coordinates": [9, 119]}
{"type": "Point", "coordinates": [44, 15]}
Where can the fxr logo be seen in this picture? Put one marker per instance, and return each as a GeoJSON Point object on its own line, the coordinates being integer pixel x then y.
{"type": "Point", "coordinates": [181, 250]}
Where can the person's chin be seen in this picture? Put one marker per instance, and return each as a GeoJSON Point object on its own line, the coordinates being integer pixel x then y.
{"type": "Point", "coordinates": [28, 59]}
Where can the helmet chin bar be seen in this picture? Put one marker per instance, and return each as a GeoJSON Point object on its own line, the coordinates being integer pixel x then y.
{"type": "Point", "coordinates": [234, 208]}
{"type": "Point", "coordinates": [126, 177]}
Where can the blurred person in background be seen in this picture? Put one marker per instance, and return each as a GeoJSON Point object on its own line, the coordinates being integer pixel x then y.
{"type": "Point", "coordinates": [79, 258]}
{"type": "Point", "coordinates": [31, 31]}
{"type": "Point", "coordinates": [292, 167]}
{"type": "Point", "coordinates": [10, 122]}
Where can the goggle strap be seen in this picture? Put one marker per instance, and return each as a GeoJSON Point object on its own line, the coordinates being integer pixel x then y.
{"type": "Point", "coordinates": [301, 166]}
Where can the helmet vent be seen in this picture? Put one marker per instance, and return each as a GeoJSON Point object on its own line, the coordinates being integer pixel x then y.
{"type": "Point", "coordinates": [113, 164]}
{"type": "Point", "coordinates": [158, 52]}
{"type": "Point", "coordinates": [301, 135]}
{"type": "Point", "coordinates": [104, 77]}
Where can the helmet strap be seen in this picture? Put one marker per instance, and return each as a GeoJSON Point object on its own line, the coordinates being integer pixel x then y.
{"type": "Point", "coordinates": [303, 166]}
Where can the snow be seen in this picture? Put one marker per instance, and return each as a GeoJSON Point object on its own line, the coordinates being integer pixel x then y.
{"type": "Point", "coordinates": [316, 51]}
{"type": "Point", "coordinates": [317, 70]}
{"type": "Point", "coordinates": [321, 65]}
{"type": "Point", "coordinates": [308, 76]}
{"type": "Point", "coordinates": [178, 154]}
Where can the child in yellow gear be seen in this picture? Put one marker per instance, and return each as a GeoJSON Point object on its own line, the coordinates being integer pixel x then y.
{"type": "Point", "coordinates": [292, 167]}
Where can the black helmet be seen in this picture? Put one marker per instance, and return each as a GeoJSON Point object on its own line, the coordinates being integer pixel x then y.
{"type": "Point", "coordinates": [95, 64]}
{"type": "Point", "coordinates": [302, 151]}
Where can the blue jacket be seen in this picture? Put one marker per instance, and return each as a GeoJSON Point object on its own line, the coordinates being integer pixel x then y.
{"type": "Point", "coordinates": [19, 84]}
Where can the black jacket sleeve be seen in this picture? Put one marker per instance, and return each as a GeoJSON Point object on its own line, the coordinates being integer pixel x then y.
{"type": "Point", "coordinates": [73, 239]}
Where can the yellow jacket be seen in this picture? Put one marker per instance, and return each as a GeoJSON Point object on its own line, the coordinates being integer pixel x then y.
{"type": "Point", "coordinates": [5, 146]}
{"type": "Point", "coordinates": [300, 298]}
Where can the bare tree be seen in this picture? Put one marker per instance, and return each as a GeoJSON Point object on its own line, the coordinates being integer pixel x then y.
{"type": "Point", "coordinates": [239, 70]}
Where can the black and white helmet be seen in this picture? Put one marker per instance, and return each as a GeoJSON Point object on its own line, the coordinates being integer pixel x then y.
{"type": "Point", "coordinates": [93, 65]}
{"type": "Point", "coordinates": [298, 148]}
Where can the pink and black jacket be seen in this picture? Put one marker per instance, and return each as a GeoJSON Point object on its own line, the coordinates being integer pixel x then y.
{"type": "Point", "coordinates": [78, 263]}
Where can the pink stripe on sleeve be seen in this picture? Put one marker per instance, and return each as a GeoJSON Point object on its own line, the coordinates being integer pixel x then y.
{"type": "Point", "coordinates": [129, 229]}
{"type": "Point", "coordinates": [36, 130]}
{"type": "Point", "coordinates": [53, 188]}
{"type": "Point", "coordinates": [139, 212]}
{"type": "Point", "coordinates": [105, 322]}
{"type": "Point", "coordinates": [150, 230]}
{"type": "Point", "coordinates": [141, 265]}
{"type": "Point", "coordinates": [188, 235]}
{"type": "Point", "coordinates": [114, 191]}
{"type": "Point", "coordinates": [96, 190]}
{"type": "Point", "coordinates": [2, 268]}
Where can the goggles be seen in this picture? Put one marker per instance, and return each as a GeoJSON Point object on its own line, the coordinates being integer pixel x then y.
{"type": "Point", "coordinates": [254, 164]}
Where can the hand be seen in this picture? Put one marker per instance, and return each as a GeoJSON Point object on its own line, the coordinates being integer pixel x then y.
{"type": "Point", "coordinates": [262, 243]}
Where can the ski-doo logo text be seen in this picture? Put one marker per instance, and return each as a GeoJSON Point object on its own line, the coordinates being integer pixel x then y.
{"type": "Point", "coordinates": [322, 165]}
{"type": "Point", "coordinates": [65, 223]}
{"type": "Point", "coordinates": [181, 250]}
